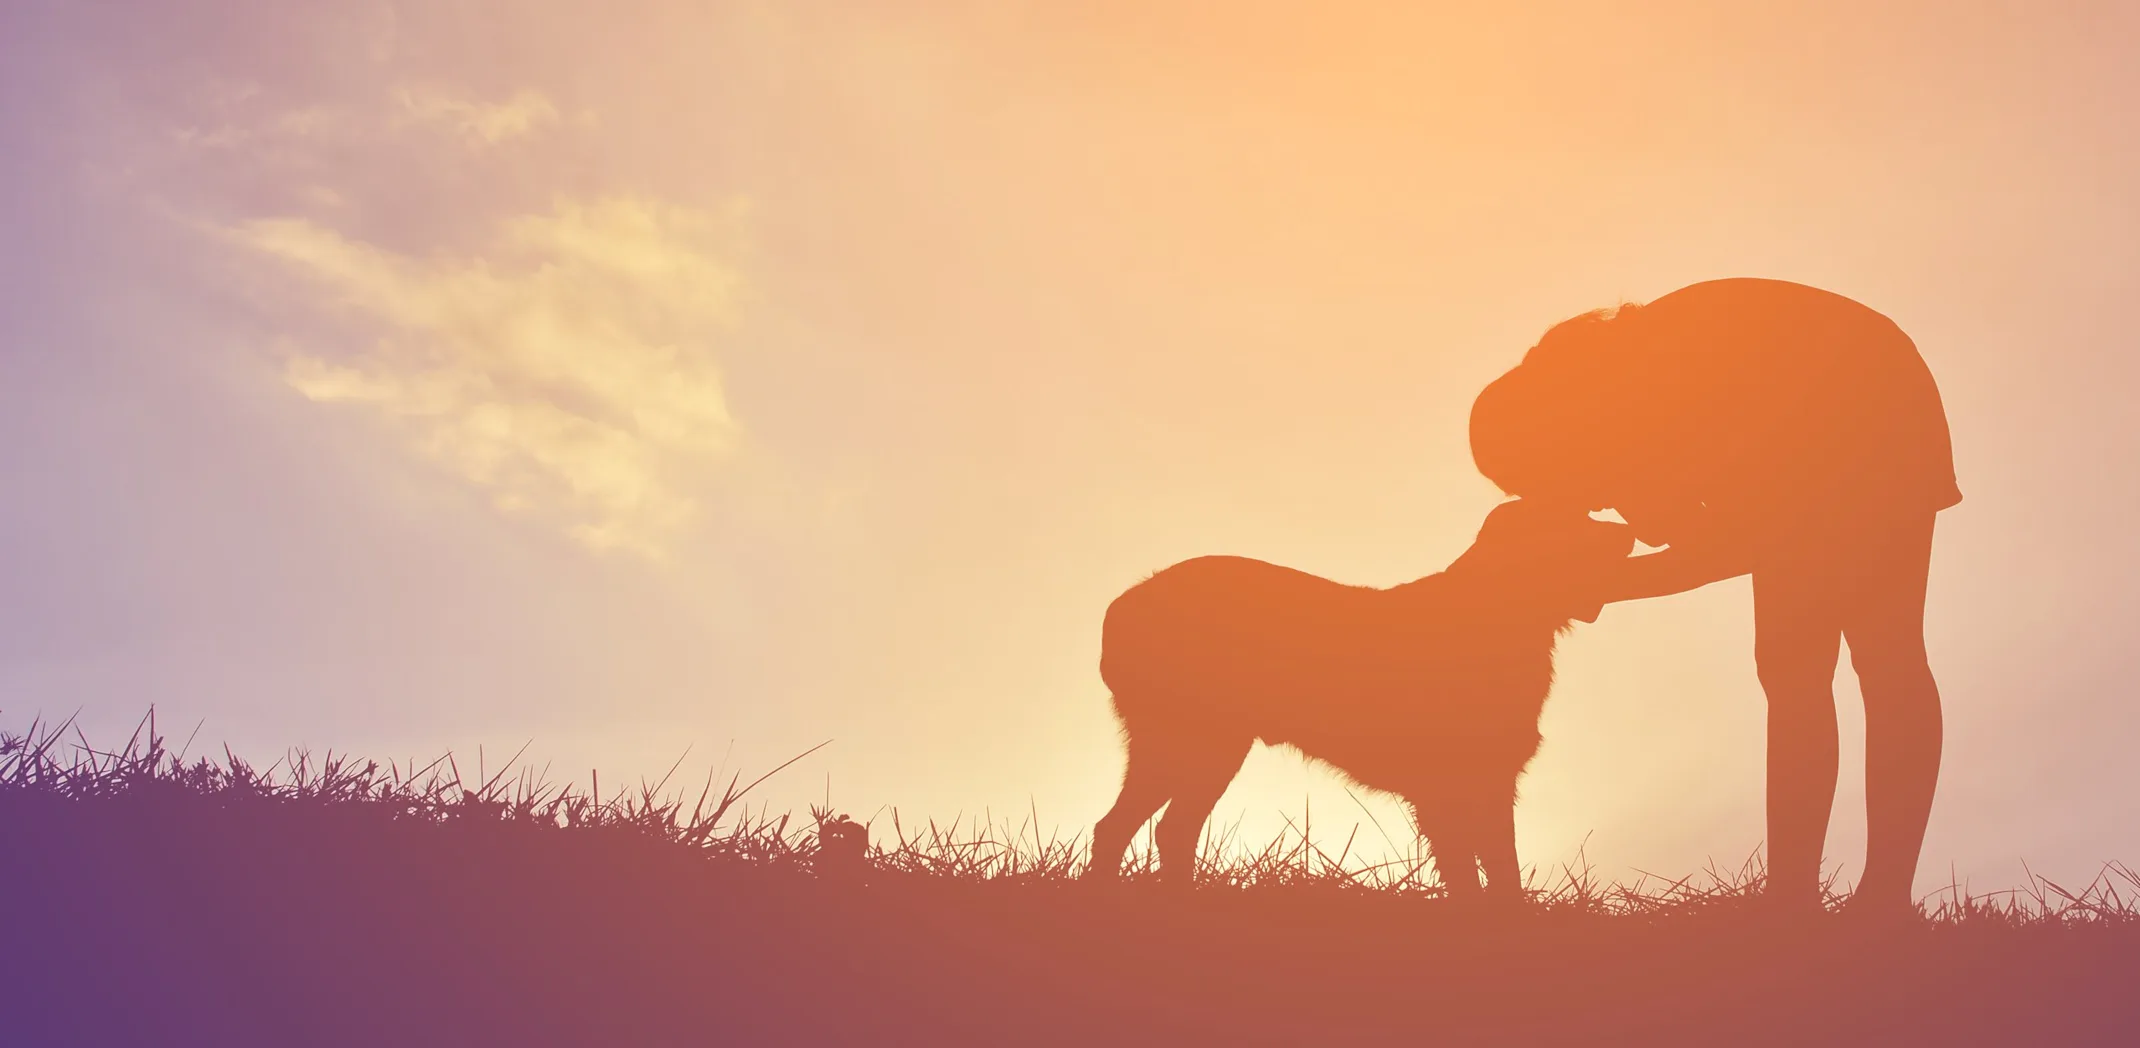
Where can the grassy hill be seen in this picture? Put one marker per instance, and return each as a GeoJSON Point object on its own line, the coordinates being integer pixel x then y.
{"type": "Point", "coordinates": [151, 901]}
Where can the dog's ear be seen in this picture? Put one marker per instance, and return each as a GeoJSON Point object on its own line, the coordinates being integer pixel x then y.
{"type": "Point", "coordinates": [1503, 517]}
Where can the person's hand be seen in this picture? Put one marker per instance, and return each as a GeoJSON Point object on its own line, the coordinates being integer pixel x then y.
{"type": "Point", "coordinates": [1677, 569]}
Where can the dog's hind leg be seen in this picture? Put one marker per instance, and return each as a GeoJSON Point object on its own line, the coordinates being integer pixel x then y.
{"type": "Point", "coordinates": [1204, 770]}
{"type": "Point", "coordinates": [1146, 786]}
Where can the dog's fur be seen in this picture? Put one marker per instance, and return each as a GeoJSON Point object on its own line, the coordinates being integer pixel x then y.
{"type": "Point", "coordinates": [1431, 690]}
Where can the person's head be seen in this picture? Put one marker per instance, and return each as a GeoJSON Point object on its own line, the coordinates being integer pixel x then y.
{"type": "Point", "coordinates": [1544, 430]}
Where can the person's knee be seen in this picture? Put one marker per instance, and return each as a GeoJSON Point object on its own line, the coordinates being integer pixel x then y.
{"type": "Point", "coordinates": [1795, 651]}
{"type": "Point", "coordinates": [1897, 674]}
{"type": "Point", "coordinates": [1793, 679]}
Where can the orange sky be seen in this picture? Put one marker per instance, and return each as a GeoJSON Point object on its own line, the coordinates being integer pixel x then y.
{"type": "Point", "coordinates": [399, 377]}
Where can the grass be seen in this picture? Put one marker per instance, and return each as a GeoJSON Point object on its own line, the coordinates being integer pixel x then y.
{"type": "Point", "coordinates": [160, 898]}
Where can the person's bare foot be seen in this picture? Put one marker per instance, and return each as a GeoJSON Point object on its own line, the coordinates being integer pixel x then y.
{"type": "Point", "coordinates": [1790, 905]}
{"type": "Point", "coordinates": [1880, 912]}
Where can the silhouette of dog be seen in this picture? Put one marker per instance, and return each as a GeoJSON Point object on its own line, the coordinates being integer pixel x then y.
{"type": "Point", "coordinates": [1430, 690]}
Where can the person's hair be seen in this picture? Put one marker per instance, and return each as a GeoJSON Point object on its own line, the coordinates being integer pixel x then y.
{"type": "Point", "coordinates": [1530, 427]}
{"type": "Point", "coordinates": [1583, 340]}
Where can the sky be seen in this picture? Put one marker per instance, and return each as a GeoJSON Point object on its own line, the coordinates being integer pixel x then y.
{"type": "Point", "coordinates": [644, 381]}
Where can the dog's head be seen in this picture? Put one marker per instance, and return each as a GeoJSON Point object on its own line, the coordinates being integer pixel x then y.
{"type": "Point", "coordinates": [1553, 554]}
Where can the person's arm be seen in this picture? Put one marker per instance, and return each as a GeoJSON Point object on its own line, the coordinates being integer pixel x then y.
{"type": "Point", "coordinates": [1677, 569]}
{"type": "Point", "coordinates": [1663, 521]}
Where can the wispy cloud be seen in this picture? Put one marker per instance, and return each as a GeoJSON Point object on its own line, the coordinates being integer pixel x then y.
{"type": "Point", "coordinates": [234, 118]}
{"type": "Point", "coordinates": [312, 122]}
{"type": "Point", "coordinates": [487, 123]}
{"type": "Point", "coordinates": [569, 370]}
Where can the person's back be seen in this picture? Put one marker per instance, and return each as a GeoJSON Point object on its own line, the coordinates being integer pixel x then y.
{"type": "Point", "coordinates": [1765, 396]}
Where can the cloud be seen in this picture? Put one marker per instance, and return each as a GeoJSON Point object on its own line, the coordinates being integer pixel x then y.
{"type": "Point", "coordinates": [569, 371]}
{"type": "Point", "coordinates": [240, 116]}
{"type": "Point", "coordinates": [486, 123]}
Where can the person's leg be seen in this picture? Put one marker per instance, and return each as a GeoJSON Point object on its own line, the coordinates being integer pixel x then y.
{"type": "Point", "coordinates": [1796, 638]}
{"type": "Point", "coordinates": [1903, 724]}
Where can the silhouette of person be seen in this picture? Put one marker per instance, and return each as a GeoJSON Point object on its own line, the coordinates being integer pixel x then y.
{"type": "Point", "coordinates": [1765, 427]}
